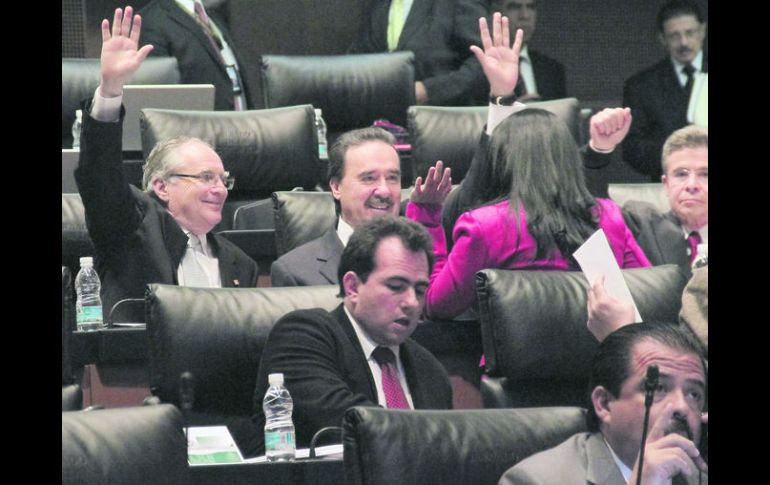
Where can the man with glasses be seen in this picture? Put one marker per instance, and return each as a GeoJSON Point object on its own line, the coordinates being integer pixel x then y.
{"type": "Point", "coordinates": [676, 236]}
{"type": "Point", "coordinates": [161, 234]}
{"type": "Point", "coordinates": [659, 96]}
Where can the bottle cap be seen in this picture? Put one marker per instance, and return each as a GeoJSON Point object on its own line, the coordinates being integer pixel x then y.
{"type": "Point", "coordinates": [318, 112]}
{"type": "Point", "coordinates": [275, 379]}
{"type": "Point", "coordinates": [86, 261]}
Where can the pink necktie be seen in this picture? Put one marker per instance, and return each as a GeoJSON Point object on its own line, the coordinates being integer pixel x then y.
{"type": "Point", "coordinates": [205, 23]}
{"type": "Point", "coordinates": [694, 239]}
{"type": "Point", "coordinates": [391, 387]}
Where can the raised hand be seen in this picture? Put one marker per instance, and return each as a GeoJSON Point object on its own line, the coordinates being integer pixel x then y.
{"type": "Point", "coordinates": [120, 56]}
{"type": "Point", "coordinates": [498, 59]}
{"type": "Point", "coordinates": [605, 312]}
{"type": "Point", "coordinates": [667, 455]}
{"type": "Point", "coordinates": [608, 127]}
{"type": "Point", "coordinates": [438, 184]}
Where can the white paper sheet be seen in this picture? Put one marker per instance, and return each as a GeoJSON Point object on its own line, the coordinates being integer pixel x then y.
{"type": "Point", "coordinates": [596, 259]}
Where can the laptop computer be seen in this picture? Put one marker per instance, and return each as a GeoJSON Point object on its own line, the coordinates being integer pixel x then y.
{"type": "Point", "coordinates": [69, 161]}
{"type": "Point", "coordinates": [196, 97]}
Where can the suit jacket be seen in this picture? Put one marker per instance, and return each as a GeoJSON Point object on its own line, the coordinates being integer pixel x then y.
{"type": "Point", "coordinates": [313, 263]}
{"type": "Point", "coordinates": [173, 32]}
{"type": "Point", "coordinates": [581, 460]}
{"type": "Point", "coordinates": [440, 33]}
{"type": "Point", "coordinates": [660, 235]}
{"type": "Point", "coordinates": [549, 76]}
{"type": "Point", "coordinates": [137, 241]}
{"type": "Point", "coordinates": [487, 237]}
{"type": "Point", "coordinates": [326, 372]}
{"type": "Point", "coordinates": [659, 106]}
{"type": "Point", "coordinates": [695, 305]}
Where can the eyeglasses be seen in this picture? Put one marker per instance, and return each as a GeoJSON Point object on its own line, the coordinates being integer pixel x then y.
{"type": "Point", "coordinates": [682, 176]}
{"type": "Point", "coordinates": [210, 178]}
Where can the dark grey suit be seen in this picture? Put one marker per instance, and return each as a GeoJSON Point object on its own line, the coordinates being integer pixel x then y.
{"type": "Point", "coordinates": [582, 459]}
{"type": "Point", "coordinates": [661, 236]}
{"type": "Point", "coordinates": [549, 76]}
{"type": "Point", "coordinates": [313, 263]}
{"type": "Point", "coordinates": [326, 372]}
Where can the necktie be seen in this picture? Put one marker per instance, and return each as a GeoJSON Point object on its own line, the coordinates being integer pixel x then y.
{"type": "Point", "coordinates": [391, 387]}
{"type": "Point", "coordinates": [205, 23]}
{"type": "Point", "coordinates": [694, 239]}
{"type": "Point", "coordinates": [688, 71]}
{"type": "Point", "coordinates": [395, 23]}
{"type": "Point", "coordinates": [521, 86]}
{"type": "Point", "coordinates": [191, 268]}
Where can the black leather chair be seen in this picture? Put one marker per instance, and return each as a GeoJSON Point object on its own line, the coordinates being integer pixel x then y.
{"type": "Point", "coordinates": [352, 90]}
{"type": "Point", "coordinates": [265, 150]}
{"type": "Point", "coordinates": [79, 78]}
{"type": "Point", "coordinates": [534, 334]}
{"type": "Point", "coordinates": [124, 446]}
{"type": "Point", "coordinates": [218, 335]}
{"type": "Point", "coordinates": [75, 241]}
{"type": "Point", "coordinates": [386, 446]}
{"type": "Point", "coordinates": [451, 134]}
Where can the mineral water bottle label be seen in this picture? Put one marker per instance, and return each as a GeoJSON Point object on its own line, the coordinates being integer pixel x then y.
{"type": "Point", "coordinates": [322, 154]}
{"type": "Point", "coordinates": [279, 440]}
{"type": "Point", "coordinates": [90, 315]}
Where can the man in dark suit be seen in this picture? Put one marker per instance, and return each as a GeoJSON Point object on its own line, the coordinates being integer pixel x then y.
{"type": "Point", "coordinates": [202, 46]}
{"type": "Point", "coordinates": [161, 234]}
{"type": "Point", "coordinates": [674, 237]}
{"type": "Point", "coordinates": [541, 78]}
{"type": "Point", "coordinates": [440, 33]}
{"type": "Point", "coordinates": [360, 353]}
{"type": "Point", "coordinates": [609, 453]}
{"type": "Point", "coordinates": [659, 95]}
{"type": "Point", "coordinates": [365, 181]}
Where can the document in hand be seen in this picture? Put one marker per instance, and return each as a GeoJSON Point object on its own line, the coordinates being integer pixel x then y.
{"type": "Point", "coordinates": [596, 259]}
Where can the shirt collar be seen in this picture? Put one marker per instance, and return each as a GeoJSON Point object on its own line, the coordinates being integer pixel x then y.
{"type": "Point", "coordinates": [624, 470]}
{"type": "Point", "coordinates": [344, 231]}
{"type": "Point", "coordinates": [697, 63]}
{"type": "Point", "coordinates": [524, 53]}
{"type": "Point", "coordinates": [703, 231]}
{"type": "Point", "coordinates": [188, 6]}
{"type": "Point", "coordinates": [202, 239]}
{"type": "Point", "coordinates": [367, 344]}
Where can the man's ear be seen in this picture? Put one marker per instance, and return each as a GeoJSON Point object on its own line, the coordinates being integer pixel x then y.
{"type": "Point", "coordinates": [160, 187]}
{"type": "Point", "coordinates": [664, 180]}
{"type": "Point", "coordinates": [600, 398]}
{"type": "Point", "coordinates": [350, 282]}
{"type": "Point", "coordinates": [662, 40]}
{"type": "Point", "coordinates": [334, 184]}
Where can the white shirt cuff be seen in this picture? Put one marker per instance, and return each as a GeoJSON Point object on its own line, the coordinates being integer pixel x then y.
{"type": "Point", "coordinates": [106, 109]}
{"type": "Point", "coordinates": [497, 114]}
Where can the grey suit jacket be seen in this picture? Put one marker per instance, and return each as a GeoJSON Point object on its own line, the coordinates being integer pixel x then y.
{"type": "Point", "coordinates": [660, 235]}
{"type": "Point", "coordinates": [313, 263]}
{"type": "Point", "coordinates": [582, 459]}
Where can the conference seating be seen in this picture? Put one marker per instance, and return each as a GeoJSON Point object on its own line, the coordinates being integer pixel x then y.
{"type": "Point", "coordinates": [124, 446]}
{"type": "Point", "coordinates": [75, 241]}
{"type": "Point", "coordinates": [652, 193]}
{"type": "Point", "coordinates": [265, 150]}
{"type": "Point", "coordinates": [536, 344]}
{"type": "Point", "coordinates": [218, 335]}
{"type": "Point", "coordinates": [386, 446]}
{"type": "Point", "coordinates": [80, 77]}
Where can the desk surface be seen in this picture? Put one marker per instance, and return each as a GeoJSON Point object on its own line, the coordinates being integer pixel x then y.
{"type": "Point", "coordinates": [314, 471]}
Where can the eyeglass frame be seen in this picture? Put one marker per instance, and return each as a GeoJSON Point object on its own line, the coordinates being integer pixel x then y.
{"type": "Point", "coordinates": [207, 177]}
{"type": "Point", "coordinates": [681, 176]}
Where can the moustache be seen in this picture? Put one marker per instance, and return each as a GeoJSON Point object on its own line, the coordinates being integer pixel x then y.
{"type": "Point", "coordinates": [679, 425]}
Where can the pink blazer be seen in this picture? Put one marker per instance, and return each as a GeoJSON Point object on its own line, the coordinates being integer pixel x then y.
{"type": "Point", "coordinates": [487, 237]}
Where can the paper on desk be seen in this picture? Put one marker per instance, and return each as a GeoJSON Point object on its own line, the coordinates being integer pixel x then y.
{"type": "Point", "coordinates": [595, 259]}
{"type": "Point", "coordinates": [211, 445]}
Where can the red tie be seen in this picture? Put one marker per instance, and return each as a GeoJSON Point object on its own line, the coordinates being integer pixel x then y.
{"type": "Point", "coordinates": [391, 387]}
{"type": "Point", "coordinates": [694, 239]}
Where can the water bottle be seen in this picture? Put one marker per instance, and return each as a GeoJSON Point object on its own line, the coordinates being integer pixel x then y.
{"type": "Point", "coordinates": [702, 258]}
{"type": "Point", "coordinates": [320, 126]}
{"type": "Point", "coordinates": [279, 429]}
{"type": "Point", "coordinates": [76, 129]}
{"type": "Point", "coordinates": [88, 306]}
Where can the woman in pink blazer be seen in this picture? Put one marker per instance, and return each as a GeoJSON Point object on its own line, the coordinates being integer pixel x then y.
{"type": "Point", "coordinates": [534, 210]}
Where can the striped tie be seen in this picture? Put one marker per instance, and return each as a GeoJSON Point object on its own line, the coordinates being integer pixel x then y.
{"type": "Point", "coordinates": [191, 268]}
{"type": "Point", "coordinates": [391, 387]}
{"type": "Point", "coordinates": [693, 240]}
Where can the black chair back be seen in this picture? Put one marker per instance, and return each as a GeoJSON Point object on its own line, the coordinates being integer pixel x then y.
{"type": "Point", "coordinates": [385, 446]}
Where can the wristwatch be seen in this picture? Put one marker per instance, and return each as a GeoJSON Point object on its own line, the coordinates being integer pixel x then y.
{"type": "Point", "coordinates": [503, 100]}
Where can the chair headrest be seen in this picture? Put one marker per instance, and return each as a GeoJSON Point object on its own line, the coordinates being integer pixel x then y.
{"type": "Point", "coordinates": [301, 217]}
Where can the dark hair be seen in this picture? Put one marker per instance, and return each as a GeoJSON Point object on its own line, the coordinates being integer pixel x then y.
{"type": "Point", "coordinates": [611, 365]}
{"type": "Point", "coordinates": [677, 8]}
{"type": "Point", "coordinates": [359, 253]}
{"type": "Point", "coordinates": [533, 161]}
{"type": "Point", "coordinates": [345, 142]}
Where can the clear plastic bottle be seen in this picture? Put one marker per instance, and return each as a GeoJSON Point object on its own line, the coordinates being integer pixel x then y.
{"type": "Point", "coordinates": [88, 306]}
{"type": "Point", "coordinates": [76, 129]}
{"type": "Point", "coordinates": [320, 126]}
{"type": "Point", "coordinates": [279, 428]}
